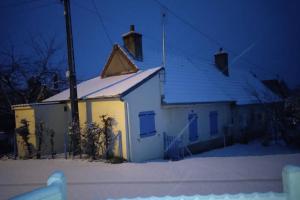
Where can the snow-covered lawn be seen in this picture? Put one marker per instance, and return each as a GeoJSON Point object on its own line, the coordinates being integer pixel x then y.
{"type": "Point", "coordinates": [193, 175]}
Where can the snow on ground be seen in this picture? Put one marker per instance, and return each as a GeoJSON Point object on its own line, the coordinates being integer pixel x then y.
{"type": "Point", "coordinates": [254, 148]}
{"type": "Point", "coordinates": [194, 175]}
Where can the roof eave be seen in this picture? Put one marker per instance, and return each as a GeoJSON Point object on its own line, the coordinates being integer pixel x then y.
{"type": "Point", "coordinates": [195, 103]}
{"type": "Point", "coordinates": [17, 106]}
{"type": "Point", "coordinates": [132, 88]}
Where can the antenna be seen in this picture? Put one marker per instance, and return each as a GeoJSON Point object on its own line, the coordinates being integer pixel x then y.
{"type": "Point", "coordinates": [163, 72]}
{"type": "Point", "coordinates": [163, 40]}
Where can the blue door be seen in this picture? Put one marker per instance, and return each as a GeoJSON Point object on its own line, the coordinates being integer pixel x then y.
{"type": "Point", "coordinates": [193, 126]}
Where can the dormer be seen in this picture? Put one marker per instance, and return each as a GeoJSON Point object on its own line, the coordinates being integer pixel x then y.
{"type": "Point", "coordinates": [118, 63]}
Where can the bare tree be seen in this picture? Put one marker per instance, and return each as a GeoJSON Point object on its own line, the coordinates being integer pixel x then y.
{"type": "Point", "coordinates": [273, 106]}
{"type": "Point", "coordinates": [30, 73]}
{"type": "Point", "coordinates": [31, 77]}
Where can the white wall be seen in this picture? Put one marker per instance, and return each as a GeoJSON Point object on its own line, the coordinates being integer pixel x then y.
{"type": "Point", "coordinates": [54, 117]}
{"type": "Point", "coordinates": [145, 98]}
{"type": "Point", "coordinates": [168, 119]}
{"type": "Point", "coordinates": [179, 120]}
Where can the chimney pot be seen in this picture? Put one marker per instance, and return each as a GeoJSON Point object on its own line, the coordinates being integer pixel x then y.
{"type": "Point", "coordinates": [132, 27]}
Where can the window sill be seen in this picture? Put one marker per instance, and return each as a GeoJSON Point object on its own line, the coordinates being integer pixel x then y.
{"type": "Point", "coordinates": [145, 135]}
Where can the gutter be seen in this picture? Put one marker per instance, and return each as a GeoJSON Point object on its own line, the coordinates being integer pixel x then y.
{"type": "Point", "coordinates": [194, 103]}
{"type": "Point", "coordinates": [14, 107]}
{"type": "Point", "coordinates": [122, 95]}
{"type": "Point", "coordinates": [128, 130]}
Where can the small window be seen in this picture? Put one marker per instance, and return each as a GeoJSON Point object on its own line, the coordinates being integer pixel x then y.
{"type": "Point", "coordinates": [147, 123]}
{"type": "Point", "coordinates": [213, 120]}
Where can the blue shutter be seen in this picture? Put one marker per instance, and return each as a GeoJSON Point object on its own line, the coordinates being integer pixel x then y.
{"type": "Point", "coordinates": [147, 123]}
{"type": "Point", "coordinates": [213, 119]}
{"type": "Point", "coordinates": [193, 126]}
{"type": "Point", "coordinates": [143, 124]}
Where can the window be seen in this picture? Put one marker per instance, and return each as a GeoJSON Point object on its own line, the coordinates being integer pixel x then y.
{"type": "Point", "coordinates": [147, 123]}
{"type": "Point", "coordinates": [213, 120]}
{"type": "Point", "coordinates": [193, 126]}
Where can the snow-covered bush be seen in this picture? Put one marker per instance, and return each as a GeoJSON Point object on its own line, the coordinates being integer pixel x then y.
{"type": "Point", "coordinates": [91, 140]}
{"type": "Point", "coordinates": [98, 139]}
{"type": "Point", "coordinates": [45, 137]}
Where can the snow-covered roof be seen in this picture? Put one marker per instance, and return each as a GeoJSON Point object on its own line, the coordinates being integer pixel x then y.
{"type": "Point", "coordinates": [193, 81]}
{"type": "Point", "coordinates": [187, 81]}
{"type": "Point", "coordinates": [113, 86]}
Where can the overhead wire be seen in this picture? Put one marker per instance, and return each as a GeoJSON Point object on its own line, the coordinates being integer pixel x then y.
{"type": "Point", "coordinates": [100, 19]}
{"type": "Point", "coordinates": [102, 22]}
{"type": "Point", "coordinates": [187, 22]}
{"type": "Point", "coordinates": [18, 4]}
{"type": "Point", "coordinates": [75, 2]}
{"type": "Point", "coordinates": [208, 37]}
{"type": "Point", "coordinates": [169, 45]}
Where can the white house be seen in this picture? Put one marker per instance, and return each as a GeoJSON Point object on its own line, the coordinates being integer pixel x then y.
{"type": "Point", "coordinates": [195, 103]}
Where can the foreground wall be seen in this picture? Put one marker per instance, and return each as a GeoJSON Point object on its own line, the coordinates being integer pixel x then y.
{"type": "Point", "coordinates": [57, 189]}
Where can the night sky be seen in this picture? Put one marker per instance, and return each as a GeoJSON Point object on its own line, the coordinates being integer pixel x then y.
{"type": "Point", "coordinates": [260, 35]}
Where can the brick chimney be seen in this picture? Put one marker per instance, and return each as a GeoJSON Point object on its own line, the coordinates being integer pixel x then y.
{"type": "Point", "coordinates": [133, 43]}
{"type": "Point", "coordinates": [221, 61]}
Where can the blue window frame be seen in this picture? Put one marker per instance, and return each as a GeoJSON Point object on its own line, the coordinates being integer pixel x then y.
{"type": "Point", "coordinates": [193, 126]}
{"type": "Point", "coordinates": [147, 123]}
{"type": "Point", "coordinates": [213, 120]}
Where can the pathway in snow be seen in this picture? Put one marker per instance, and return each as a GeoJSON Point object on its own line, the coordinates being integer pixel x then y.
{"type": "Point", "coordinates": [96, 180]}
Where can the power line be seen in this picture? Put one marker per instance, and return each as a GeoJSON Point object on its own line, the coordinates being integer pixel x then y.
{"type": "Point", "coordinates": [19, 3]}
{"type": "Point", "coordinates": [102, 22]}
{"type": "Point", "coordinates": [213, 40]}
{"type": "Point", "coordinates": [32, 7]}
{"type": "Point", "coordinates": [84, 7]}
{"type": "Point", "coordinates": [178, 50]}
{"type": "Point", "coordinates": [100, 19]}
{"type": "Point", "coordinates": [187, 23]}
{"type": "Point", "coordinates": [206, 60]}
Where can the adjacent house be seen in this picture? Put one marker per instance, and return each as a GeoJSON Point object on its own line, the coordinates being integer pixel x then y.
{"type": "Point", "coordinates": [196, 103]}
{"type": "Point", "coordinates": [278, 87]}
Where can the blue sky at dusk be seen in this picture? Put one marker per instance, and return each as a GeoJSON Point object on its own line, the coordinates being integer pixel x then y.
{"type": "Point", "coordinates": [260, 35]}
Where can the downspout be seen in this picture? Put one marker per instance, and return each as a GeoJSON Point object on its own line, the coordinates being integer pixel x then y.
{"type": "Point", "coordinates": [128, 130]}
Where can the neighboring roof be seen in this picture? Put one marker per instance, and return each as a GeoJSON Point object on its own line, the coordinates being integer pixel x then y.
{"type": "Point", "coordinates": [193, 81]}
{"type": "Point", "coordinates": [278, 87]}
{"type": "Point", "coordinates": [114, 86]}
